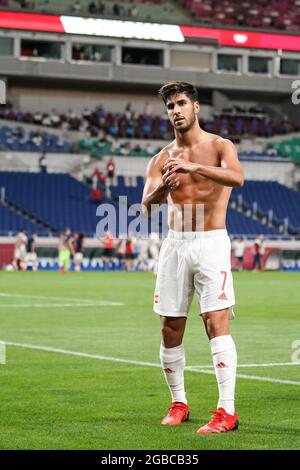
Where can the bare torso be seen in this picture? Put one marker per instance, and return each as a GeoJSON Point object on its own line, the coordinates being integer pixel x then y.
{"type": "Point", "coordinates": [203, 201]}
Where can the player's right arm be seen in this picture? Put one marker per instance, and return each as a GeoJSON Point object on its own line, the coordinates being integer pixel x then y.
{"type": "Point", "coordinates": [158, 185]}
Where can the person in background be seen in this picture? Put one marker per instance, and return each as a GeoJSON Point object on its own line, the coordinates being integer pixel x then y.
{"type": "Point", "coordinates": [43, 163]}
{"type": "Point", "coordinates": [109, 250]}
{"type": "Point", "coordinates": [154, 247]}
{"type": "Point", "coordinates": [20, 251]}
{"type": "Point", "coordinates": [77, 6]}
{"type": "Point", "coordinates": [197, 170]}
{"type": "Point", "coordinates": [258, 252]}
{"type": "Point", "coordinates": [78, 243]}
{"type": "Point", "coordinates": [239, 246]}
{"type": "Point", "coordinates": [110, 169]}
{"type": "Point", "coordinates": [31, 256]}
{"type": "Point", "coordinates": [121, 250]}
{"type": "Point", "coordinates": [65, 250]}
{"type": "Point", "coordinates": [129, 254]}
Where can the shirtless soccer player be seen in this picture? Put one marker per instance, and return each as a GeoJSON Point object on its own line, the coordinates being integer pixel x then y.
{"type": "Point", "coordinates": [195, 174]}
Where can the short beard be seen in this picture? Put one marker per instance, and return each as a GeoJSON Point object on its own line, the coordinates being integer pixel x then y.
{"type": "Point", "coordinates": [185, 129]}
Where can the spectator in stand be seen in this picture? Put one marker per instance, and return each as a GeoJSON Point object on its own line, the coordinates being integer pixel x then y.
{"type": "Point", "coordinates": [97, 56]}
{"type": "Point", "coordinates": [37, 118]}
{"type": "Point", "coordinates": [258, 252]}
{"type": "Point", "coordinates": [128, 111]}
{"type": "Point", "coordinates": [147, 109]}
{"type": "Point", "coordinates": [96, 176]}
{"type": "Point", "coordinates": [96, 189]}
{"type": "Point", "coordinates": [86, 113]}
{"type": "Point", "coordinates": [101, 7]}
{"type": "Point", "coordinates": [233, 122]}
{"type": "Point", "coordinates": [77, 6]}
{"type": "Point", "coordinates": [116, 10]}
{"type": "Point", "coordinates": [125, 148]}
{"type": "Point", "coordinates": [19, 132]}
{"type": "Point", "coordinates": [134, 11]}
{"type": "Point", "coordinates": [36, 138]}
{"type": "Point", "coordinates": [102, 183]}
{"type": "Point", "coordinates": [43, 163]}
{"type": "Point", "coordinates": [92, 8]}
{"type": "Point", "coordinates": [96, 195]}
{"type": "Point", "coordinates": [102, 180]}
{"type": "Point", "coordinates": [110, 169]}
{"type": "Point", "coordinates": [24, 4]}
{"type": "Point", "coordinates": [128, 59]}
{"type": "Point", "coordinates": [54, 119]}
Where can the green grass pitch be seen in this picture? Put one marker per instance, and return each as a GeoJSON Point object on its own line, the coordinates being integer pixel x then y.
{"type": "Point", "coordinates": [53, 400]}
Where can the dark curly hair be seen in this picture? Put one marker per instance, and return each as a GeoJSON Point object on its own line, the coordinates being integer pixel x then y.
{"type": "Point", "coordinates": [172, 88]}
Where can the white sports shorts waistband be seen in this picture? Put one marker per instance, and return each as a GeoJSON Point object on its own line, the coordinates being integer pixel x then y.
{"type": "Point", "coordinates": [174, 235]}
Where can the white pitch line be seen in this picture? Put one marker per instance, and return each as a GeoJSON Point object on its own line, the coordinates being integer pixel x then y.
{"type": "Point", "coordinates": [249, 377]}
{"type": "Point", "coordinates": [271, 364]}
{"type": "Point", "coordinates": [81, 354]}
{"type": "Point", "coordinates": [64, 299]}
{"type": "Point", "coordinates": [96, 304]}
{"type": "Point", "coordinates": [142, 363]}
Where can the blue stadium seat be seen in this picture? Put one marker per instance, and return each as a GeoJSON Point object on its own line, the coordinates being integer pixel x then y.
{"type": "Point", "coordinates": [12, 222]}
{"type": "Point", "coordinates": [60, 200]}
{"type": "Point", "coordinates": [270, 195]}
{"type": "Point", "coordinates": [57, 199]}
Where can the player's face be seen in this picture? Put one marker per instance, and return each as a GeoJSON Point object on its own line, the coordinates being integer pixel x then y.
{"type": "Point", "coordinates": [182, 112]}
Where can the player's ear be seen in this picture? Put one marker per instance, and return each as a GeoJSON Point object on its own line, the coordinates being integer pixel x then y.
{"type": "Point", "coordinates": [196, 107]}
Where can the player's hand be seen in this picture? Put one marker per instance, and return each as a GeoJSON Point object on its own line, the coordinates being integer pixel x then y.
{"type": "Point", "coordinates": [170, 180]}
{"type": "Point", "coordinates": [179, 165]}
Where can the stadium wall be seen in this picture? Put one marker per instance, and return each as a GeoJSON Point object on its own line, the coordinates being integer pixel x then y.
{"type": "Point", "coordinates": [278, 254]}
{"type": "Point", "coordinates": [117, 71]}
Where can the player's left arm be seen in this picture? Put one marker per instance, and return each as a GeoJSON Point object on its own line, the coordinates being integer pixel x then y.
{"type": "Point", "coordinates": [229, 173]}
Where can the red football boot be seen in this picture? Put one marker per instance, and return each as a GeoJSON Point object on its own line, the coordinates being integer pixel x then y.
{"type": "Point", "coordinates": [178, 413]}
{"type": "Point", "coordinates": [220, 422]}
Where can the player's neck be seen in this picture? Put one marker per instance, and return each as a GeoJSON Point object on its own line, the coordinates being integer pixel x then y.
{"type": "Point", "coordinates": [190, 137]}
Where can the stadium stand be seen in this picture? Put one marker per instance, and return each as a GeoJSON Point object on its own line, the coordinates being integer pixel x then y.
{"type": "Point", "coordinates": [57, 199]}
{"type": "Point", "coordinates": [35, 141]}
{"type": "Point", "coordinates": [262, 14]}
{"type": "Point", "coordinates": [273, 200]}
{"type": "Point", "coordinates": [237, 223]}
{"type": "Point", "coordinates": [234, 123]}
{"type": "Point", "coordinates": [11, 222]}
{"type": "Point", "coordinates": [144, 10]}
{"type": "Point", "coordinates": [287, 148]}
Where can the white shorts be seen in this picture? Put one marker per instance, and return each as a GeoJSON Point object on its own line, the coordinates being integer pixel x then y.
{"type": "Point", "coordinates": [78, 257]}
{"type": "Point", "coordinates": [20, 253]}
{"type": "Point", "coordinates": [190, 261]}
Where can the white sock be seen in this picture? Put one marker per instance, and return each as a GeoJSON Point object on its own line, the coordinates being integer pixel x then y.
{"type": "Point", "coordinates": [225, 361]}
{"type": "Point", "coordinates": [173, 363]}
